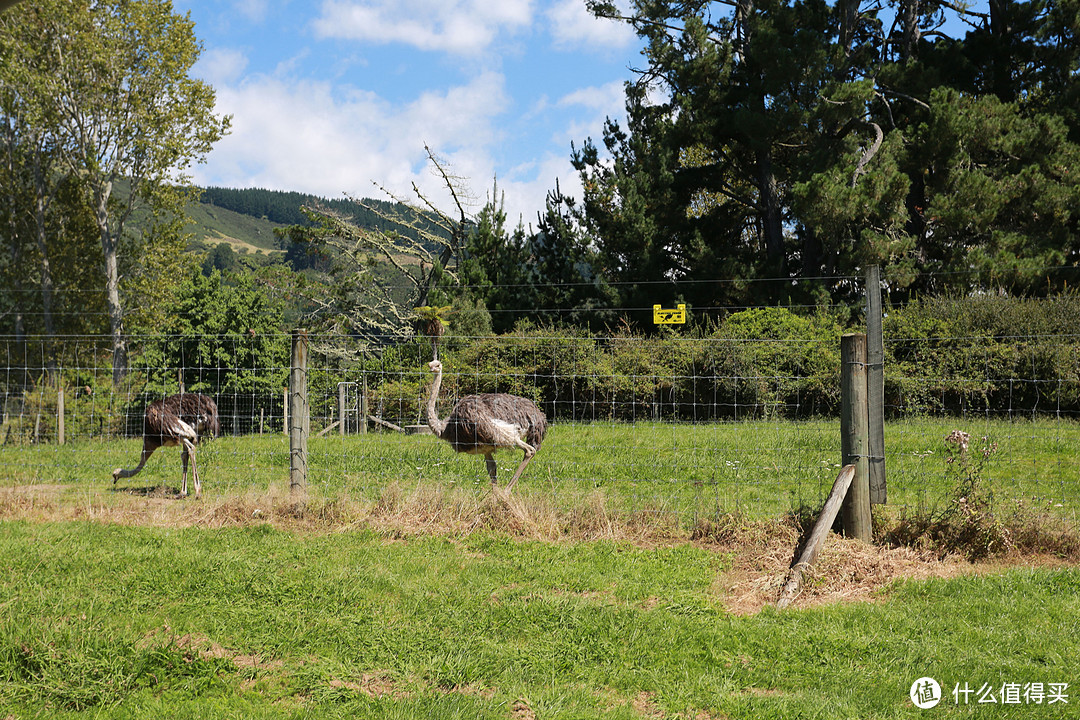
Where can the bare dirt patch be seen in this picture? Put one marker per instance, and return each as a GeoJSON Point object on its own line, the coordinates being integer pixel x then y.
{"type": "Point", "coordinates": [199, 647]}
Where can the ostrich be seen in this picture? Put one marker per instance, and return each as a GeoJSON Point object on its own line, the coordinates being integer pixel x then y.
{"type": "Point", "coordinates": [176, 420]}
{"type": "Point", "coordinates": [482, 424]}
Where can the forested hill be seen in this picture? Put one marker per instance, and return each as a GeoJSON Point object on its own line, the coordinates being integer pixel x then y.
{"type": "Point", "coordinates": [283, 207]}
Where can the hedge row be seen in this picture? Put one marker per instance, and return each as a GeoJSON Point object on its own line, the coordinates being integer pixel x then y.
{"type": "Point", "coordinates": [971, 355]}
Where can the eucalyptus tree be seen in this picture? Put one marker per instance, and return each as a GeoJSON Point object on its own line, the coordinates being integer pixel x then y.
{"type": "Point", "coordinates": [29, 172]}
{"type": "Point", "coordinates": [122, 107]}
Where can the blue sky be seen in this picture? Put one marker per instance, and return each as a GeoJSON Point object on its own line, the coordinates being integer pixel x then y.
{"type": "Point", "coordinates": [330, 96]}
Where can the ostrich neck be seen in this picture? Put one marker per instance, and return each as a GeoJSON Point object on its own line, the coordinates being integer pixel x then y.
{"type": "Point", "coordinates": [437, 426]}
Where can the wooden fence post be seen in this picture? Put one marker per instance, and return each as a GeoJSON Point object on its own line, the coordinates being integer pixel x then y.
{"type": "Point", "coordinates": [875, 378]}
{"type": "Point", "coordinates": [821, 529]}
{"type": "Point", "coordinates": [299, 425]}
{"type": "Point", "coordinates": [362, 410]}
{"type": "Point", "coordinates": [341, 408]}
{"type": "Point", "coordinates": [60, 414]}
{"type": "Point", "coordinates": [854, 430]}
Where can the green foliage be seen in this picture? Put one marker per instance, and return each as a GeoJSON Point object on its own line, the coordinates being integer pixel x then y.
{"type": "Point", "coordinates": [224, 334]}
{"type": "Point", "coordinates": [983, 354]}
{"type": "Point", "coordinates": [804, 139]}
{"type": "Point", "coordinates": [114, 102]}
{"type": "Point", "coordinates": [1002, 192]}
{"type": "Point", "coordinates": [758, 363]}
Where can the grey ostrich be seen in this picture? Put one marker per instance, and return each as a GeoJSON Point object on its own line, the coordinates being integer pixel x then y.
{"type": "Point", "coordinates": [176, 420]}
{"type": "Point", "coordinates": [482, 424]}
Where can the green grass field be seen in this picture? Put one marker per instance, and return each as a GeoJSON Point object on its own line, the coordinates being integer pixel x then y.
{"type": "Point", "coordinates": [761, 469]}
{"type": "Point", "coordinates": [109, 621]}
{"type": "Point", "coordinates": [167, 608]}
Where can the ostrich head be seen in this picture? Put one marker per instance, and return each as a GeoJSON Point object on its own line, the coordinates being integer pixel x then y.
{"type": "Point", "coordinates": [435, 366]}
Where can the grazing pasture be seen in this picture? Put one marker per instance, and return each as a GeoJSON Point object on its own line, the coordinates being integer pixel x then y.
{"type": "Point", "coordinates": [632, 575]}
{"type": "Point", "coordinates": [161, 620]}
{"type": "Point", "coordinates": [690, 471]}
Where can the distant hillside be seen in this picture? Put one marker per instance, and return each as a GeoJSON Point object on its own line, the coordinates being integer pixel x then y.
{"type": "Point", "coordinates": [246, 218]}
{"type": "Point", "coordinates": [211, 225]}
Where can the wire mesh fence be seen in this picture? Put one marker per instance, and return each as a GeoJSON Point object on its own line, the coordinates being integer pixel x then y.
{"type": "Point", "coordinates": [692, 425]}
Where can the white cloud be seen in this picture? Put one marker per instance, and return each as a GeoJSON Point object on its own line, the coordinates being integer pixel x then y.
{"type": "Point", "coordinates": [220, 65]}
{"type": "Point", "coordinates": [462, 27]}
{"type": "Point", "coordinates": [574, 27]}
{"type": "Point", "coordinates": [607, 98]}
{"type": "Point", "coordinates": [307, 136]}
{"type": "Point", "coordinates": [254, 10]}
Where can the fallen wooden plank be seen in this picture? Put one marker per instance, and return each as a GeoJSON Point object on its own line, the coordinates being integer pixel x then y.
{"type": "Point", "coordinates": [328, 428]}
{"type": "Point", "coordinates": [386, 424]}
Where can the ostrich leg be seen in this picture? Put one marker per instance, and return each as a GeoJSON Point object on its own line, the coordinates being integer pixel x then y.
{"type": "Point", "coordinates": [184, 453]}
{"type": "Point", "coordinates": [189, 451]}
{"type": "Point", "coordinates": [491, 467]}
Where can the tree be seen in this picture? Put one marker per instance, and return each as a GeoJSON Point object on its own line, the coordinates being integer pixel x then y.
{"type": "Point", "coordinates": [224, 334]}
{"type": "Point", "coordinates": [124, 108]}
{"type": "Point", "coordinates": [28, 172]}
{"type": "Point", "coordinates": [727, 117]}
{"type": "Point", "coordinates": [803, 139]}
{"type": "Point", "coordinates": [377, 277]}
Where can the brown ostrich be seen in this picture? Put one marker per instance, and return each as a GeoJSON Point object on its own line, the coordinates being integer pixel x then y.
{"type": "Point", "coordinates": [482, 424]}
{"type": "Point", "coordinates": [176, 420]}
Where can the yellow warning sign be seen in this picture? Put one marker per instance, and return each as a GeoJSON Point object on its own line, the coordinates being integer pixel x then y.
{"type": "Point", "coordinates": [661, 316]}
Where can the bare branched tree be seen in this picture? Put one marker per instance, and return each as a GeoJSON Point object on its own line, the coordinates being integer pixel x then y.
{"type": "Point", "coordinates": [382, 275]}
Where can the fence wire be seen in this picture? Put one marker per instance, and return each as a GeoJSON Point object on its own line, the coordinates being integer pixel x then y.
{"type": "Point", "coordinates": [696, 426]}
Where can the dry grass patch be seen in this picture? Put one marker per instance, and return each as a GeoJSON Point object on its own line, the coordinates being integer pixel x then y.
{"type": "Point", "coordinates": [760, 552]}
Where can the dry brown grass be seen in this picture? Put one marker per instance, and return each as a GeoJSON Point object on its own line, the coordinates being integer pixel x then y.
{"type": "Point", "coordinates": [761, 551]}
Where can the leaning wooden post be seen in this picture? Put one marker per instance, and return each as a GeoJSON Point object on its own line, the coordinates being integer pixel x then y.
{"type": "Point", "coordinates": [821, 529]}
{"type": "Point", "coordinates": [299, 420]}
{"type": "Point", "coordinates": [855, 435]}
{"type": "Point", "coordinates": [60, 414]}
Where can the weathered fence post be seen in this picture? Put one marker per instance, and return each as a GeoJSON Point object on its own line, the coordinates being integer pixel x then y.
{"type": "Point", "coordinates": [60, 414]}
{"type": "Point", "coordinates": [363, 406]}
{"type": "Point", "coordinates": [341, 407]}
{"type": "Point", "coordinates": [821, 529]}
{"type": "Point", "coordinates": [875, 378]}
{"type": "Point", "coordinates": [299, 425]}
{"type": "Point", "coordinates": [854, 430]}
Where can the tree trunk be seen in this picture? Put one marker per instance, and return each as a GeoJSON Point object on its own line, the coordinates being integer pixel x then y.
{"type": "Point", "coordinates": [15, 247]}
{"type": "Point", "coordinates": [849, 16]}
{"type": "Point", "coordinates": [772, 225]}
{"type": "Point", "coordinates": [41, 203]}
{"type": "Point", "coordinates": [909, 16]}
{"type": "Point", "coordinates": [109, 243]}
